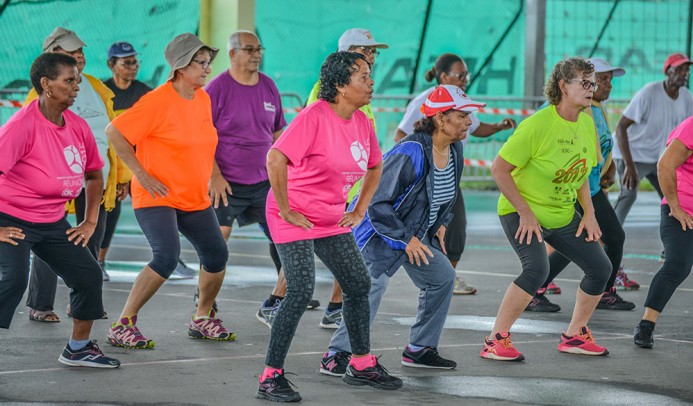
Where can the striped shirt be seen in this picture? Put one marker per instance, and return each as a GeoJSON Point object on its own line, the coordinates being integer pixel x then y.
{"type": "Point", "coordinates": [443, 188]}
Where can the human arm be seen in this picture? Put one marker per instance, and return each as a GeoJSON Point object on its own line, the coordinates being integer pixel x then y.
{"type": "Point", "coordinates": [399, 134]}
{"type": "Point", "coordinates": [218, 187]}
{"type": "Point", "coordinates": [674, 156]}
{"type": "Point", "coordinates": [529, 225]}
{"type": "Point", "coordinates": [277, 164]}
{"type": "Point", "coordinates": [277, 134]}
{"type": "Point", "coordinates": [487, 129]}
{"type": "Point", "coordinates": [630, 174]}
{"type": "Point", "coordinates": [609, 175]}
{"type": "Point", "coordinates": [127, 153]}
{"type": "Point", "coordinates": [93, 188]}
{"type": "Point", "coordinates": [368, 187]}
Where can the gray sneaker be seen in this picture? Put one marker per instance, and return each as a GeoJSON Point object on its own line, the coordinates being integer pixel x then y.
{"type": "Point", "coordinates": [332, 319]}
{"type": "Point", "coordinates": [266, 314]}
{"type": "Point", "coordinates": [183, 271]}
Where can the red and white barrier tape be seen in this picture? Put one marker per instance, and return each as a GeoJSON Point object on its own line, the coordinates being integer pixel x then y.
{"type": "Point", "coordinates": [10, 103]}
{"type": "Point", "coordinates": [478, 163]}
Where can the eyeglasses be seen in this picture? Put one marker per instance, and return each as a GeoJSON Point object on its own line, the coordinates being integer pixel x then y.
{"type": "Point", "coordinates": [204, 63]}
{"type": "Point", "coordinates": [461, 76]}
{"type": "Point", "coordinates": [130, 64]}
{"type": "Point", "coordinates": [586, 84]}
{"type": "Point", "coordinates": [251, 50]}
{"type": "Point", "coordinates": [369, 51]}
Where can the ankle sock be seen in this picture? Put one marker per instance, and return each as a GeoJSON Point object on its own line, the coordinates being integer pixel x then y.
{"type": "Point", "coordinates": [274, 299]}
{"type": "Point", "coordinates": [330, 353]}
{"type": "Point", "coordinates": [646, 323]}
{"type": "Point", "coordinates": [361, 363]}
{"type": "Point", "coordinates": [269, 373]}
{"type": "Point", "coordinates": [76, 345]}
{"type": "Point", "coordinates": [334, 306]}
{"type": "Point", "coordinates": [415, 348]}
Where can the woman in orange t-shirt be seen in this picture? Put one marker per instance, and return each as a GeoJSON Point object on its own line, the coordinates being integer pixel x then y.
{"type": "Point", "coordinates": [171, 130]}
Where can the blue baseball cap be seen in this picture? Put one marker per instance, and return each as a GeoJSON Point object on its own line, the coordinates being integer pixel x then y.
{"type": "Point", "coordinates": [121, 50]}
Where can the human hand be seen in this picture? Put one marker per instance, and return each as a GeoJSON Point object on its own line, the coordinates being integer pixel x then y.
{"type": "Point", "coordinates": [417, 251]}
{"type": "Point", "coordinates": [297, 219]}
{"type": "Point", "coordinates": [218, 190]}
{"type": "Point", "coordinates": [82, 233]}
{"type": "Point", "coordinates": [350, 219]}
{"type": "Point", "coordinates": [10, 234]}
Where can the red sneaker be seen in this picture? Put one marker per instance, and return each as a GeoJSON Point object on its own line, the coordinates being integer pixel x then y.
{"type": "Point", "coordinates": [553, 289]}
{"type": "Point", "coordinates": [623, 283]}
{"type": "Point", "coordinates": [582, 343]}
{"type": "Point", "coordinates": [501, 349]}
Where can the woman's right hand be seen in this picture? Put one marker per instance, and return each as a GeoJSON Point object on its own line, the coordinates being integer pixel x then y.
{"type": "Point", "coordinates": [10, 234]}
{"type": "Point", "coordinates": [152, 185]}
{"type": "Point", "coordinates": [297, 219]}
{"type": "Point", "coordinates": [529, 225]}
{"type": "Point", "coordinates": [683, 217]}
{"type": "Point", "coordinates": [417, 251]}
{"type": "Point", "coordinates": [218, 189]}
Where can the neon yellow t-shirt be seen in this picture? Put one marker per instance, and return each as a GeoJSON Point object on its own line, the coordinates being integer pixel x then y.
{"type": "Point", "coordinates": [553, 157]}
{"type": "Point", "coordinates": [312, 98]}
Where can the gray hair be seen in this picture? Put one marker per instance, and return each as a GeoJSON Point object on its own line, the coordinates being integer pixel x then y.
{"type": "Point", "coordinates": [235, 39]}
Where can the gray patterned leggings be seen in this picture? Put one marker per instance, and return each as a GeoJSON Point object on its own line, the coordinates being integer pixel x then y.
{"type": "Point", "coordinates": [342, 257]}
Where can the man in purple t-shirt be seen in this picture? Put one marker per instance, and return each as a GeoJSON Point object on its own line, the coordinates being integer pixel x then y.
{"type": "Point", "coordinates": [247, 112]}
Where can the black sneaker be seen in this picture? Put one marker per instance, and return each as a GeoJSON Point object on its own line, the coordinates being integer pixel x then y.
{"type": "Point", "coordinates": [612, 301]}
{"type": "Point", "coordinates": [427, 357]}
{"type": "Point", "coordinates": [335, 365]}
{"type": "Point", "coordinates": [376, 376]}
{"type": "Point", "coordinates": [643, 334]}
{"type": "Point", "coordinates": [89, 356]}
{"type": "Point", "coordinates": [542, 304]}
{"type": "Point", "coordinates": [278, 389]}
{"type": "Point", "coordinates": [313, 304]}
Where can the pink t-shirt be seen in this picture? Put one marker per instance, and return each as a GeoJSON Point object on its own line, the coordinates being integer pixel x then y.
{"type": "Point", "coordinates": [327, 155]}
{"type": "Point", "coordinates": [684, 173]}
{"type": "Point", "coordinates": [42, 164]}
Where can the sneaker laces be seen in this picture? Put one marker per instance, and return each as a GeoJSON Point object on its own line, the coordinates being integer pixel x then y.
{"type": "Point", "coordinates": [586, 335]}
{"type": "Point", "coordinates": [380, 367]}
{"type": "Point", "coordinates": [504, 342]}
{"type": "Point", "coordinates": [282, 381]}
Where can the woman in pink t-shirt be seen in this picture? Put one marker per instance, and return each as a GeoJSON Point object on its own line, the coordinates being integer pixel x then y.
{"type": "Point", "coordinates": [327, 148]}
{"type": "Point", "coordinates": [48, 155]}
{"type": "Point", "coordinates": [675, 173]}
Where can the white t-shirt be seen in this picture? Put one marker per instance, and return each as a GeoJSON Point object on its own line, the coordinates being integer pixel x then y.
{"type": "Point", "coordinates": [655, 115]}
{"type": "Point", "coordinates": [414, 114]}
{"type": "Point", "coordinates": [90, 107]}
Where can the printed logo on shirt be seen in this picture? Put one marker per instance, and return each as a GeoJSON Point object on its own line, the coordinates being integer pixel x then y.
{"type": "Point", "coordinates": [575, 171]}
{"type": "Point", "coordinates": [269, 107]}
{"type": "Point", "coordinates": [358, 152]}
{"type": "Point", "coordinates": [73, 159]}
{"type": "Point", "coordinates": [86, 113]}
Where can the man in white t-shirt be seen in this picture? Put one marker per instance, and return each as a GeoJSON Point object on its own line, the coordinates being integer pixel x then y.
{"type": "Point", "coordinates": [641, 134]}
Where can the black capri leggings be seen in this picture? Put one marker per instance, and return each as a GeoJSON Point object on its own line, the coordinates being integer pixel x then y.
{"type": "Point", "coordinates": [678, 260]}
{"type": "Point", "coordinates": [161, 226]}
{"type": "Point", "coordinates": [78, 268]}
{"type": "Point", "coordinates": [456, 234]}
{"type": "Point", "coordinates": [589, 256]}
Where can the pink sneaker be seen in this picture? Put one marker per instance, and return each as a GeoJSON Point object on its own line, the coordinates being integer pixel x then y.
{"type": "Point", "coordinates": [553, 289]}
{"type": "Point", "coordinates": [582, 343]}
{"type": "Point", "coordinates": [209, 327]}
{"type": "Point", "coordinates": [622, 282]}
{"type": "Point", "coordinates": [124, 333]}
{"type": "Point", "coordinates": [501, 349]}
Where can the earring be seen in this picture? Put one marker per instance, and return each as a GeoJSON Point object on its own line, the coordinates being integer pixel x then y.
{"type": "Point", "coordinates": [48, 93]}
{"type": "Point", "coordinates": [343, 94]}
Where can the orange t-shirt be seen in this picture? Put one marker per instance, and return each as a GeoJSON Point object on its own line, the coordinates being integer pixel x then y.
{"type": "Point", "coordinates": [175, 141]}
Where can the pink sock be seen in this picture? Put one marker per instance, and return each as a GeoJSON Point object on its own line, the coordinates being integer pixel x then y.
{"type": "Point", "coordinates": [269, 373]}
{"type": "Point", "coordinates": [361, 363]}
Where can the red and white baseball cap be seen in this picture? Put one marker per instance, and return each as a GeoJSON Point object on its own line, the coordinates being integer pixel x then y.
{"type": "Point", "coordinates": [675, 60]}
{"type": "Point", "coordinates": [448, 97]}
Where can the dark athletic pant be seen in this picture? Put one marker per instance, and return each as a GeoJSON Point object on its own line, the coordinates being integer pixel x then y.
{"type": "Point", "coordinates": [48, 241]}
{"type": "Point", "coordinates": [678, 260]}
{"type": "Point", "coordinates": [342, 257]}
{"type": "Point", "coordinates": [589, 256]}
{"type": "Point", "coordinates": [613, 238]}
{"type": "Point", "coordinates": [456, 234]}
{"type": "Point", "coordinates": [111, 223]}
{"type": "Point", "coordinates": [44, 280]}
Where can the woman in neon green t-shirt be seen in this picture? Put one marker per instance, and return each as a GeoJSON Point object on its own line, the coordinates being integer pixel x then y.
{"type": "Point", "coordinates": [541, 170]}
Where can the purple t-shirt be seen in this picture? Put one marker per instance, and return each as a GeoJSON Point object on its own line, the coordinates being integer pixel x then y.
{"type": "Point", "coordinates": [245, 118]}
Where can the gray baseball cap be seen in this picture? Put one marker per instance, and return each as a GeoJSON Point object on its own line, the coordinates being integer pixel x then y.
{"type": "Point", "coordinates": [358, 37]}
{"type": "Point", "coordinates": [63, 38]}
{"type": "Point", "coordinates": [180, 51]}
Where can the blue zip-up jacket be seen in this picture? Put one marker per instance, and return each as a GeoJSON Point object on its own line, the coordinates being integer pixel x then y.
{"type": "Point", "coordinates": [400, 206]}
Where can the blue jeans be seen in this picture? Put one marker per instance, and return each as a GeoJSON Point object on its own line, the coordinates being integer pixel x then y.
{"type": "Point", "coordinates": [435, 281]}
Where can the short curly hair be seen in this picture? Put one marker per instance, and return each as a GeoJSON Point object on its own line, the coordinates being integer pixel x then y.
{"type": "Point", "coordinates": [336, 71]}
{"type": "Point", "coordinates": [48, 65]}
{"type": "Point", "coordinates": [567, 69]}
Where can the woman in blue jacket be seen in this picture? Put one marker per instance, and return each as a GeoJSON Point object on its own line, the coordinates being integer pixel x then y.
{"type": "Point", "coordinates": [405, 225]}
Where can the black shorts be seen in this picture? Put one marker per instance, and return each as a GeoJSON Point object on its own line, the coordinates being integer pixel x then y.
{"type": "Point", "coordinates": [246, 205]}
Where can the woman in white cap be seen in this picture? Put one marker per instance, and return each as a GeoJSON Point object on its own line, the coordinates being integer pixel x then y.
{"type": "Point", "coordinates": [405, 225]}
{"type": "Point", "coordinates": [328, 147]}
{"type": "Point", "coordinates": [541, 171]}
{"type": "Point", "coordinates": [171, 128]}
